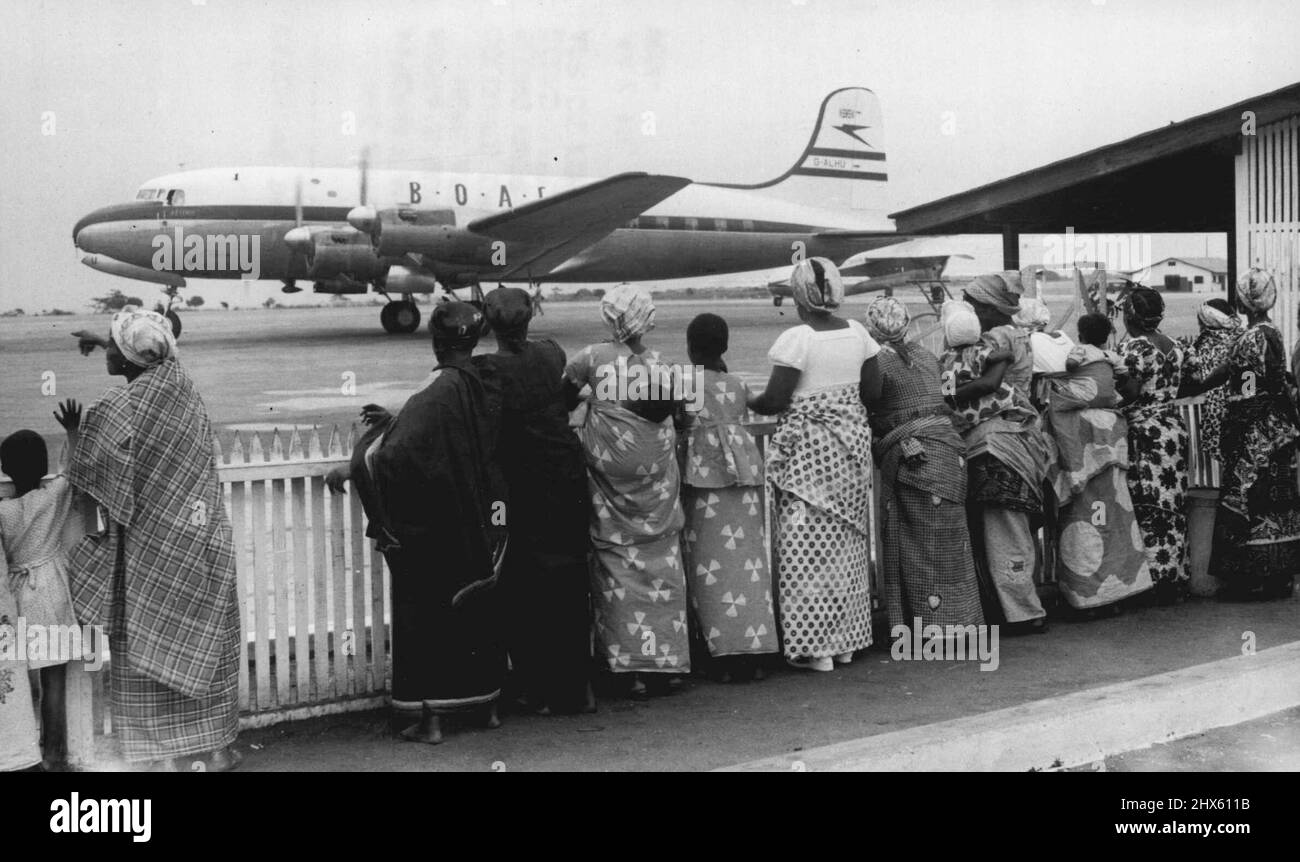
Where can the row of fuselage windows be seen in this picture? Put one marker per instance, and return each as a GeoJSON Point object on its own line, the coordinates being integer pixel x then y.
{"type": "Point", "coordinates": [712, 224]}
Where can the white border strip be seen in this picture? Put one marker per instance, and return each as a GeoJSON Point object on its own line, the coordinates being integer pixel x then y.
{"type": "Point", "coordinates": [1074, 729]}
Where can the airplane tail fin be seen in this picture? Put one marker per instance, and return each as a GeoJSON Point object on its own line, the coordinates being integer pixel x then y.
{"type": "Point", "coordinates": [843, 166]}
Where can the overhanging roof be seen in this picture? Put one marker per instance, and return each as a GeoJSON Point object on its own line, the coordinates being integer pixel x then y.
{"type": "Point", "coordinates": [1176, 179]}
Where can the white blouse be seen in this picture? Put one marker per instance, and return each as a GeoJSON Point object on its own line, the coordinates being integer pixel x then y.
{"type": "Point", "coordinates": [830, 358]}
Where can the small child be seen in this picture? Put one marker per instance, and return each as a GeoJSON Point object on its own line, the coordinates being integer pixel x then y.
{"type": "Point", "coordinates": [728, 583]}
{"type": "Point", "coordinates": [19, 747]}
{"type": "Point", "coordinates": [1094, 331]}
{"type": "Point", "coordinates": [31, 530]}
{"type": "Point", "coordinates": [966, 355]}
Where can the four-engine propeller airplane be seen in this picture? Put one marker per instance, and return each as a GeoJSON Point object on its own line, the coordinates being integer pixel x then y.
{"type": "Point", "coordinates": [405, 233]}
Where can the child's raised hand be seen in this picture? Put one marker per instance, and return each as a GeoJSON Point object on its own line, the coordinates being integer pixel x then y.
{"type": "Point", "coordinates": [69, 414]}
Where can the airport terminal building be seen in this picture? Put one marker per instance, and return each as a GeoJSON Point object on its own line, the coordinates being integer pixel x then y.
{"type": "Point", "coordinates": [1234, 171]}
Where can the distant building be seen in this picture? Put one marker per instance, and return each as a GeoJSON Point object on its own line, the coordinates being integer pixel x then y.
{"type": "Point", "coordinates": [1188, 274]}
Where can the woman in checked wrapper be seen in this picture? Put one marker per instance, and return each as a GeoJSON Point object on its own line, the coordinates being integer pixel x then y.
{"type": "Point", "coordinates": [162, 573]}
{"type": "Point", "coordinates": [927, 571]}
{"type": "Point", "coordinates": [722, 491]}
{"type": "Point", "coordinates": [819, 468]}
{"type": "Point", "coordinates": [637, 580]}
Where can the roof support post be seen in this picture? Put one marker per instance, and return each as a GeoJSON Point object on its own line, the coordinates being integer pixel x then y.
{"type": "Point", "coordinates": [1010, 247]}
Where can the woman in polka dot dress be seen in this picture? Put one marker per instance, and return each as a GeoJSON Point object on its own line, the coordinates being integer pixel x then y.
{"type": "Point", "coordinates": [819, 468]}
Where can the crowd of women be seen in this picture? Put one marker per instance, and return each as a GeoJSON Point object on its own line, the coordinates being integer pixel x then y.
{"type": "Point", "coordinates": [538, 511]}
{"type": "Point", "coordinates": [638, 515]}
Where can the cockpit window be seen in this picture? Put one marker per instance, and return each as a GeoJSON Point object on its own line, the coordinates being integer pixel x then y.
{"type": "Point", "coordinates": [176, 198]}
{"type": "Point", "coordinates": [144, 194]}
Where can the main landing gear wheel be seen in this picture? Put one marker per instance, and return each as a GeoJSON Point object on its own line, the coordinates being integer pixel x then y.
{"type": "Point", "coordinates": [175, 320]}
{"type": "Point", "coordinates": [400, 317]}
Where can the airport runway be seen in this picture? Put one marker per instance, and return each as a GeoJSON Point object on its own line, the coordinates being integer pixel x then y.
{"type": "Point", "coordinates": [285, 368]}
{"type": "Point", "coordinates": [264, 369]}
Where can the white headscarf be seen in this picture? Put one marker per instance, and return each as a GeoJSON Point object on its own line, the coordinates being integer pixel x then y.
{"type": "Point", "coordinates": [144, 337]}
{"type": "Point", "coordinates": [1033, 314]}
{"type": "Point", "coordinates": [961, 326]}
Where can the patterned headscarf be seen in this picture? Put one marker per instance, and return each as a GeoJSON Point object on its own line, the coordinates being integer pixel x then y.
{"type": "Point", "coordinates": [1146, 307]}
{"type": "Point", "coordinates": [1033, 314]}
{"type": "Point", "coordinates": [628, 311]}
{"type": "Point", "coordinates": [1214, 318]}
{"type": "Point", "coordinates": [887, 319]}
{"type": "Point", "coordinates": [144, 337]}
{"type": "Point", "coordinates": [961, 326]}
{"type": "Point", "coordinates": [456, 325]}
{"type": "Point", "coordinates": [817, 285]}
{"type": "Point", "coordinates": [1257, 290]}
{"type": "Point", "coordinates": [1000, 290]}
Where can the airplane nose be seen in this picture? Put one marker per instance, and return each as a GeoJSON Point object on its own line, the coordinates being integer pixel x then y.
{"type": "Point", "coordinates": [92, 226]}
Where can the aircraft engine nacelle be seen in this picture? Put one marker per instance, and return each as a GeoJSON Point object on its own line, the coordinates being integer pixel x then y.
{"type": "Point", "coordinates": [403, 281]}
{"type": "Point", "coordinates": [433, 234]}
{"type": "Point", "coordinates": [340, 284]}
{"type": "Point", "coordinates": [354, 257]}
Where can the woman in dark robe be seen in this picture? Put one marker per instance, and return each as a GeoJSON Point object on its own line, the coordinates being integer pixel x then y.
{"type": "Point", "coordinates": [544, 580]}
{"type": "Point", "coordinates": [436, 506]}
{"type": "Point", "coordinates": [1257, 526]}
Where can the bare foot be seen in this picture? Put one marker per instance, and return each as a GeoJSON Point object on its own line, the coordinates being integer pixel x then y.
{"type": "Point", "coordinates": [492, 721]}
{"type": "Point", "coordinates": [428, 730]}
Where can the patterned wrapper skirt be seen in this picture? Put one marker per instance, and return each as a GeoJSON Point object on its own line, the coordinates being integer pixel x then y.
{"type": "Point", "coordinates": [638, 584]}
{"type": "Point", "coordinates": [1157, 481]}
{"type": "Point", "coordinates": [153, 722]}
{"type": "Point", "coordinates": [1101, 555]}
{"type": "Point", "coordinates": [726, 564]}
{"type": "Point", "coordinates": [1258, 554]}
{"type": "Point", "coordinates": [821, 563]}
{"type": "Point", "coordinates": [928, 567]}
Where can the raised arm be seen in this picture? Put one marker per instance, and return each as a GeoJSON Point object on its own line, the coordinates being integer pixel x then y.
{"type": "Point", "coordinates": [986, 384]}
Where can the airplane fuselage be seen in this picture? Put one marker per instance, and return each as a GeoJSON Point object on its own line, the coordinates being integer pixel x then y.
{"type": "Point", "coordinates": [209, 223]}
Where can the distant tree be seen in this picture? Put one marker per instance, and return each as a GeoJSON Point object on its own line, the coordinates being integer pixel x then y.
{"type": "Point", "coordinates": [225, 305]}
{"type": "Point", "coordinates": [58, 312]}
{"type": "Point", "coordinates": [13, 312]}
{"type": "Point", "coordinates": [582, 293]}
{"type": "Point", "coordinates": [598, 293]}
{"type": "Point", "coordinates": [194, 301]}
{"type": "Point", "coordinates": [114, 300]}
{"type": "Point", "coordinates": [270, 303]}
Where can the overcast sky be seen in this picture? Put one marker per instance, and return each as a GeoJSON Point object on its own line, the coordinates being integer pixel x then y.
{"type": "Point", "coordinates": [143, 87]}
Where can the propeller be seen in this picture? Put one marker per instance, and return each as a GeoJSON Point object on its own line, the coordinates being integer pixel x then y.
{"type": "Point", "coordinates": [363, 217]}
{"type": "Point", "coordinates": [298, 238]}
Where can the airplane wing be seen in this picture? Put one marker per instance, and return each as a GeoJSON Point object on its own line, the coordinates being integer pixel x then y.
{"type": "Point", "coordinates": [552, 230]}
